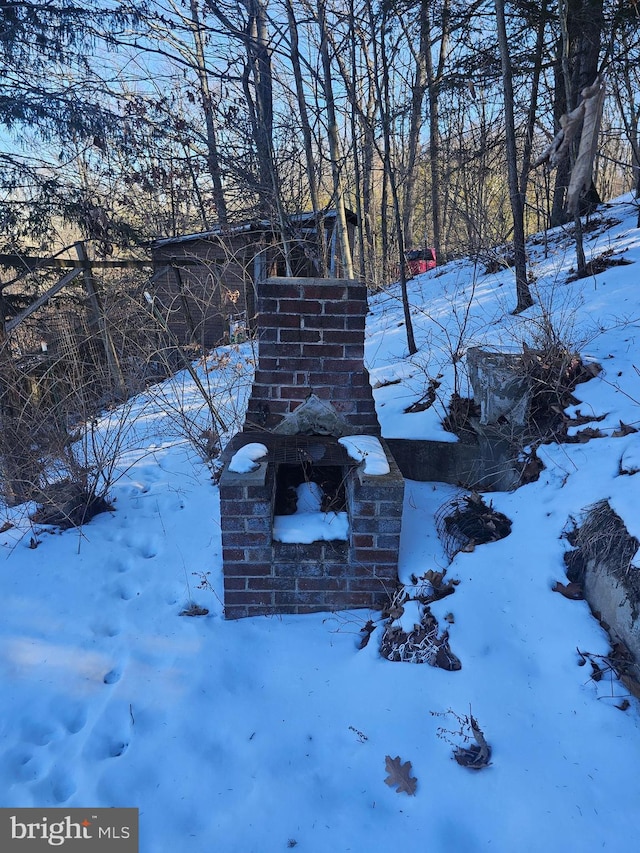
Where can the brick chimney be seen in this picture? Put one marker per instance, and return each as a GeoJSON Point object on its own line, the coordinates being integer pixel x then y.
{"type": "Point", "coordinates": [310, 388]}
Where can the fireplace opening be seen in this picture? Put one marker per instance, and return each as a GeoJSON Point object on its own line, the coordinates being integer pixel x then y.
{"type": "Point", "coordinates": [310, 503]}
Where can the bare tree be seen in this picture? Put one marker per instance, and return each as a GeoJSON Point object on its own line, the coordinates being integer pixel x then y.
{"type": "Point", "coordinates": [524, 298]}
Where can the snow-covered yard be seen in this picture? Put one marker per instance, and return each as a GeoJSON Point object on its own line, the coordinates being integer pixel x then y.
{"type": "Point", "coordinates": [264, 734]}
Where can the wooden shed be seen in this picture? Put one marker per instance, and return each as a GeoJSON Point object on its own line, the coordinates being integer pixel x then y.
{"type": "Point", "coordinates": [207, 283]}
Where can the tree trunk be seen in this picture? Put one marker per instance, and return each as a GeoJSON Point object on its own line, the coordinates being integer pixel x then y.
{"type": "Point", "coordinates": [384, 105]}
{"type": "Point", "coordinates": [308, 140]}
{"type": "Point", "coordinates": [334, 146]}
{"type": "Point", "coordinates": [415, 124]}
{"type": "Point", "coordinates": [524, 299]}
{"type": "Point", "coordinates": [213, 161]}
{"type": "Point", "coordinates": [434, 82]}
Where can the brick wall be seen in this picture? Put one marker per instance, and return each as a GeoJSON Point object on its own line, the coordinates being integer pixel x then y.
{"type": "Point", "coordinates": [266, 577]}
{"type": "Point", "coordinates": [311, 341]}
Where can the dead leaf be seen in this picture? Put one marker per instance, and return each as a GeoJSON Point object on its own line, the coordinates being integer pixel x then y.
{"type": "Point", "coordinates": [596, 670]}
{"type": "Point", "coordinates": [6, 526]}
{"type": "Point", "coordinates": [450, 618]}
{"type": "Point", "coordinates": [366, 632]}
{"type": "Point", "coordinates": [570, 590]}
{"type": "Point", "coordinates": [438, 585]}
{"type": "Point", "coordinates": [625, 429]}
{"type": "Point", "coordinates": [478, 755]}
{"type": "Point", "coordinates": [445, 659]}
{"type": "Point", "coordinates": [585, 435]}
{"type": "Point", "coordinates": [395, 612]}
{"type": "Point", "coordinates": [624, 705]}
{"type": "Point", "coordinates": [194, 610]}
{"type": "Point", "coordinates": [400, 776]}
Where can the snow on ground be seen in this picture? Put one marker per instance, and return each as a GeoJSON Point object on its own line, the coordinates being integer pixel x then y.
{"type": "Point", "coordinates": [266, 734]}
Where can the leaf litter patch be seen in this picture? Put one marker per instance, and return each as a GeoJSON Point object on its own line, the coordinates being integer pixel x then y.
{"type": "Point", "coordinates": [467, 521]}
{"type": "Point", "coordinates": [412, 633]}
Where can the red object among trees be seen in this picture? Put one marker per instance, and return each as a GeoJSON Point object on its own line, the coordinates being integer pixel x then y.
{"type": "Point", "coordinates": [420, 260]}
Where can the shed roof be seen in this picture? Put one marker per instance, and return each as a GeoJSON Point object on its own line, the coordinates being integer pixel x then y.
{"type": "Point", "coordinates": [251, 225]}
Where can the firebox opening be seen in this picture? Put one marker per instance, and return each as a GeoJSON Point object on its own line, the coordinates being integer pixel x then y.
{"type": "Point", "coordinates": [310, 503]}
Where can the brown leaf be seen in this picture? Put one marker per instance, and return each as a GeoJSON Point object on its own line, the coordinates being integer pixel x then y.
{"type": "Point", "coordinates": [194, 610]}
{"type": "Point", "coordinates": [570, 590]}
{"type": "Point", "coordinates": [625, 429]}
{"type": "Point", "coordinates": [585, 435]}
{"type": "Point", "coordinates": [624, 705]}
{"type": "Point", "coordinates": [445, 659]}
{"type": "Point", "coordinates": [6, 526]}
{"type": "Point", "coordinates": [366, 632]}
{"type": "Point", "coordinates": [400, 776]}
{"type": "Point", "coordinates": [478, 755]}
{"type": "Point", "coordinates": [596, 670]}
{"type": "Point", "coordinates": [395, 612]}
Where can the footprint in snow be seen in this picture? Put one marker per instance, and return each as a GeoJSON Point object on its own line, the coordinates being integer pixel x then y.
{"type": "Point", "coordinates": [57, 788]}
{"type": "Point", "coordinates": [25, 765]}
{"type": "Point", "coordinates": [113, 676]}
{"type": "Point", "coordinates": [145, 547]}
{"type": "Point", "coordinates": [111, 736]}
{"type": "Point", "coordinates": [72, 715]}
{"type": "Point", "coordinates": [126, 591]}
{"type": "Point", "coordinates": [121, 565]}
{"type": "Point", "coordinates": [37, 732]}
{"type": "Point", "coordinates": [105, 629]}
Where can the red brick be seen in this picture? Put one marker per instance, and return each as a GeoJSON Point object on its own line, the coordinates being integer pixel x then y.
{"type": "Point", "coordinates": [325, 321]}
{"type": "Point", "coordinates": [323, 350]}
{"type": "Point", "coordinates": [259, 553]}
{"type": "Point", "coordinates": [232, 555]}
{"type": "Point", "coordinates": [264, 582]}
{"type": "Point", "coordinates": [278, 291]}
{"type": "Point", "coordinates": [354, 351]}
{"type": "Point", "coordinates": [349, 599]}
{"type": "Point", "coordinates": [236, 612]}
{"type": "Point", "coordinates": [298, 597]}
{"type": "Point", "coordinates": [349, 306]}
{"type": "Point", "coordinates": [299, 335]}
{"type": "Point", "coordinates": [280, 321]}
{"type": "Point", "coordinates": [248, 598]}
{"type": "Point", "coordinates": [376, 555]}
{"type": "Point", "coordinates": [343, 365]}
{"type": "Point", "coordinates": [242, 568]}
{"type": "Point", "coordinates": [321, 584]}
{"type": "Point", "coordinates": [300, 307]}
{"type": "Point", "coordinates": [235, 582]}
{"type": "Point", "coordinates": [244, 539]}
{"type": "Point", "coordinates": [355, 322]}
{"type": "Point", "coordinates": [325, 291]}
{"type": "Point", "coordinates": [295, 392]}
{"type": "Point", "coordinates": [342, 336]}
{"type": "Point", "coordinates": [370, 584]}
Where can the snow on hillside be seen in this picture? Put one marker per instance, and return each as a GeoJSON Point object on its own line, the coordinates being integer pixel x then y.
{"type": "Point", "coordinates": [271, 733]}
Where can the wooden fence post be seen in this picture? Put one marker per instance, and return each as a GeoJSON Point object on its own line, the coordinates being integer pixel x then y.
{"type": "Point", "coordinates": [97, 310]}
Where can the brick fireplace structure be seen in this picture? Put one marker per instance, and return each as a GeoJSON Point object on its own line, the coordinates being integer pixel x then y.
{"type": "Point", "coordinates": [310, 389]}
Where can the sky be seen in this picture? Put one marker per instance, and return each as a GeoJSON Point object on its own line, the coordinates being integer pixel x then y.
{"type": "Point", "coordinates": [272, 733]}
